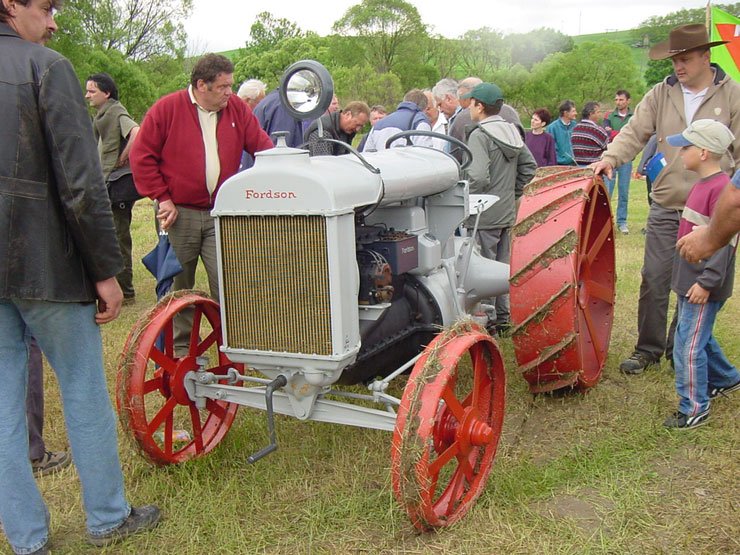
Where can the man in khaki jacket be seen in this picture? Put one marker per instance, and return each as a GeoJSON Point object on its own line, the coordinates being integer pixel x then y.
{"type": "Point", "coordinates": [696, 90]}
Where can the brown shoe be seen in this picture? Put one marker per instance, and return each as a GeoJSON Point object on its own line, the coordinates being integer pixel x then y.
{"type": "Point", "coordinates": [51, 462]}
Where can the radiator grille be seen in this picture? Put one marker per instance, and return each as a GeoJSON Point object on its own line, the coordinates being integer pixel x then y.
{"type": "Point", "coordinates": [276, 283]}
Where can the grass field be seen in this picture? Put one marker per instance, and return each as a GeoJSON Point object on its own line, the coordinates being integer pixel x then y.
{"type": "Point", "coordinates": [575, 474]}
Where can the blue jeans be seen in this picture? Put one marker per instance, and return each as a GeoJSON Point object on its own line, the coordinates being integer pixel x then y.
{"type": "Point", "coordinates": [70, 339]}
{"type": "Point", "coordinates": [700, 363]}
{"type": "Point", "coordinates": [622, 174]}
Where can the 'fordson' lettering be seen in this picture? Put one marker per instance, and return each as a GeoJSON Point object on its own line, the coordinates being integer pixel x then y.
{"type": "Point", "coordinates": [252, 194]}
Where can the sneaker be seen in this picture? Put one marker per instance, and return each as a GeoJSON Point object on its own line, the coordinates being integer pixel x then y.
{"type": "Point", "coordinates": [138, 520]}
{"type": "Point", "coordinates": [637, 363]}
{"type": "Point", "coordinates": [624, 229]}
{"type": "Point", "coordinates": [717, 391]}
{"type": "Point", "coordinates": [128, 301]}
{"type": "Point", "coordinates": [51, 462]}
{"type": "Point", "coordinates": [680, 421]}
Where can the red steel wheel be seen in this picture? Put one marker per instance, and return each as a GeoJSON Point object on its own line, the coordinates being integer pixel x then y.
{"type": "Point", "coordinates": [150, 393]}
{"type": "Point", "coordinates": [448, 427]}
{"type": "Point", "coordinates": [562, 282]}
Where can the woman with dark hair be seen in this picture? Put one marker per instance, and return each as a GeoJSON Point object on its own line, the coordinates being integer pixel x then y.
{"type": "Point", "coordinates": [541, 144]}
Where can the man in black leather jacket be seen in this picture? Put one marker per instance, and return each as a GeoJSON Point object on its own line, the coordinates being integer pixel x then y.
{"type": "Point", "coordinates": [60, 258]}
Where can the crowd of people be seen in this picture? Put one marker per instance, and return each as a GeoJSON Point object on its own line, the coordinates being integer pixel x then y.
{"type": "Point", "coordinates": [67, 244]}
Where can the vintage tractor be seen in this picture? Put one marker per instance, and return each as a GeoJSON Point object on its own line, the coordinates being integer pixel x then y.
{"type": "Point", "coordinates": [349, 270]}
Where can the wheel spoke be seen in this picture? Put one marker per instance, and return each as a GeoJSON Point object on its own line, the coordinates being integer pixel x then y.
{"type": "Point", "coordinates": [593, 197]}
{"type": "Point", "coordinates": [163, 360]}
{"type": "Point", "coordinates": [478, 362]}
{"type": "Point", "coordinates": [195, 331]}
{"type": "Point", "coordinates": [214, 408]}
{"type": "Point", "coordinates": [169, 339]}
{"type": "Point", "coordinates": [457, 490]}
{"type": "Point", "coordinates": [168, 430]}
{"type": "Point", "coordinates": [599, 242]}
{"type": "Point", "coordinates": [599, 291]}
{"type": "Point", "coordinates": [207, 342]}
{"type": "Point", "coordinates": [446, 456]}
{"type": "Point", "coordinates": [197, 428]}
{"type": "Point", "coordinates": [481, 376]}
{"type": "Point", "coordinates": [593, 333]}
{"type": "Point", "coordinates": [453, 404]}
{"type": "Point", "coordinates": [464, 467]}
{"type": "Point", "coordinates": [155, 384]}
{"type": "Point", "coordinates": [163, 413]}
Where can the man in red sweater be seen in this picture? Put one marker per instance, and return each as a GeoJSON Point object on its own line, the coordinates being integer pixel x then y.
{"type": "Point", "coordinates": [189, 143]}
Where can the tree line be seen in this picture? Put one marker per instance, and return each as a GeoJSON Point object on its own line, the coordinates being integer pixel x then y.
{"type": "Point", "coordinates": [377, 51]}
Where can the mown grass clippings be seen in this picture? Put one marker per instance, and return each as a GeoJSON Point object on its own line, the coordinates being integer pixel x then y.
{"type": "Point", "coordinates": [543, 312]}
{"type": "Point", "coordinates": [561, 248]}
{"type": "Point", "coordinates": [524, 226]}
{"type": "Point", "coordinates": [554, 176]}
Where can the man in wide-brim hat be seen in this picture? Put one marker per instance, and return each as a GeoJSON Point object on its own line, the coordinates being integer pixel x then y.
{"type": "Point", "coordinates": [683, 39]}
{"type": "Point", "coordinates": [697, 89]}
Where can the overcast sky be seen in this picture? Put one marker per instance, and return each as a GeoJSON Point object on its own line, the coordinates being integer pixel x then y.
{"type": "Point", "coordinates": [218, 25]}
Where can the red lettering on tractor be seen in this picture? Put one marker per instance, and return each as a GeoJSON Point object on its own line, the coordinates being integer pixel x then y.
{"type": "Point", "coordinates": [252, 194]}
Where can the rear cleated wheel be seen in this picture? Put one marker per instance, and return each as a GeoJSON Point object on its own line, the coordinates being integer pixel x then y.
{"type": "Point", "coordinates": [448, 427]}
{"type": "Point", "coordinates": [153, 405]}
{"type": "Point", "coordinates": [562, 283]}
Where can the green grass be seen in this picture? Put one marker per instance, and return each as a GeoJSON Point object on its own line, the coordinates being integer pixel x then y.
{"type": "Point", "coordinates": [575, 474]}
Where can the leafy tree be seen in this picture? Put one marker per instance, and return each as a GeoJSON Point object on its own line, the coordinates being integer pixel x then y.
{"type": "Point", "coordinates": [443, 54]}
{"type": "Point", "coordinates": [345, 51]}
{"type": "Point", "coordinates": [269, 65]}
{"type": "Point", "coordinates": [388, 29]}
{"type": "Point", "coordinates": [416, 75]}
{"type": "Point", "coordinates": [530, 48]}
{"type": "Point", "coordinates": [657, 70]}
{"type": "Point", "coordinates": [138, 29]}
{"type": "Point", "coordinates": [362, 82]}
{"type": "Point", "coordinates": [513, 82]}
{"type": "Point", "coordinates": [483, 51]}
{"type": "Point", "coordinates": [268, 32]}
{"type": "Point", "coordinates": [590, 71]}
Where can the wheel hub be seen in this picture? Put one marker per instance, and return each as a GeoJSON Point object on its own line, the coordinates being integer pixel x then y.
{"type": "Point", "coordinates": [176, 380]}
{"type": "Point", "coordinates": [473, 431]}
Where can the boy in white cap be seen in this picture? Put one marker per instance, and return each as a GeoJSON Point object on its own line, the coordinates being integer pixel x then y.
{"type": "Point", "coordinates": [702, 370]}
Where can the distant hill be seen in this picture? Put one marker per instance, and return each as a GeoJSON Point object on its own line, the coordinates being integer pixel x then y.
{"type": "Point", "coordinates": [232, 54]}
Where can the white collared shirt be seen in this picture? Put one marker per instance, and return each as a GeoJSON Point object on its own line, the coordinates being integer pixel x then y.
{"type": "Point", "coordinates": [208, 122]}
{"type": "Point", "coordinates": [440, 127]}
{"type": "Point", "coordinates": [692, 101]}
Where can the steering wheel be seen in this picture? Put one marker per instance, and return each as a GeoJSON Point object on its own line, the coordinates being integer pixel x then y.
{"type": "Point", "coordinates": [457, 144]}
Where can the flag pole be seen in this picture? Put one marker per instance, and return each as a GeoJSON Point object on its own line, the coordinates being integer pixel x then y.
{"type": "Point", "coordinates": [708, 17]}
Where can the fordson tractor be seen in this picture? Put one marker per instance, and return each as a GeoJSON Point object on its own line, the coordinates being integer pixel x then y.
{"type": "Point", "coordinates": [351, 270]}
